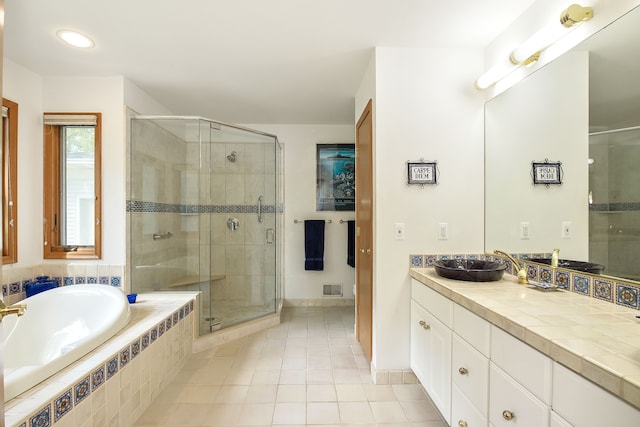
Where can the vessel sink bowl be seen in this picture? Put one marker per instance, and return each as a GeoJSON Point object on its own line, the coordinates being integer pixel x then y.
{"type": "Point", "coordinates": [470, 270]}
{"type": "Point", "coordinates": [586, 267]}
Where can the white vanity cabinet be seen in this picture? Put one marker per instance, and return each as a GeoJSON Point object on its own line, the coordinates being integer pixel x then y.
{"type": "Point", "coordinates": [582, 403]}
{"type": "Point", "coordinates": [431, 319]}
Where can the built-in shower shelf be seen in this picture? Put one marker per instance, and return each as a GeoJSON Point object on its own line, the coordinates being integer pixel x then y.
{"type": "Point", "coordinates": [194, 280]}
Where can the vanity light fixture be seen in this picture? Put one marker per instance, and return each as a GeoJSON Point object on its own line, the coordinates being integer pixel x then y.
{"type": "Point", "coordinates": [529, 52]}
{"type": "Point", "coordinates": [75, 39]}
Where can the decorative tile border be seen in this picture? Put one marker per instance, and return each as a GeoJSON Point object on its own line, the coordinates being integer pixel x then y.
{"type": "Point", "coordinates": [16, 288]}
{"type": "Point", "coordinates": [138, 206]}
{"type": "Point", "coordinates": [65, 402]}
{"type": "Point", "coordinates": [621, 292]}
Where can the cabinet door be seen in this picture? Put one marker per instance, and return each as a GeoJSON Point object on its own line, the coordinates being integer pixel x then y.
{"type": "Point", "coordinates": [437, 369]}
{"type": "Point", "coordinates": [557, 421]}
{"type": "Point", "coordinates": [419, 319]}
{"type": "Point", "coordinates": [510, 404]}
{"type": "Point", "coordinates": [470, 372]}
{"type": "Point", "coordinates": [585, 404]}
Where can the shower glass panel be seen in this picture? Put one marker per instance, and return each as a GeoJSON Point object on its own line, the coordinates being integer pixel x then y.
{"type": "Point", "coordinates": [204, 215]}
{"type": "Point", "coordinates": [614, 201]}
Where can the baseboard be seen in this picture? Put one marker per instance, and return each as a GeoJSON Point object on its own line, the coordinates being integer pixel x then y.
{"type": "Point", "coordinates": [319, 302]}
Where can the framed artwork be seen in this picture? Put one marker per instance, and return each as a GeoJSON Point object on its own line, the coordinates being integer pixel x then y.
{"type": "Point", "coordinates": [422, 173]}
{"type": "Point", "coordinates": [335, 177]}
{"type": "Point", "coordinates": [547, 173]}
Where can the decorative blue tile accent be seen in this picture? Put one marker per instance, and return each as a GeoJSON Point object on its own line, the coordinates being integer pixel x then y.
{"type": "Point", "coordinates": [181, 313]}
{"type": "Point", "coordinates": [154, 335]}
{"type": "Point", "coordinates": [68, 281]}
{"type": "Point", "coordinates": [115, 281]}
{"type": "Point", "coordinates": [125, 356]}
{"type": "Point", "coordinates": [175, 318]}
{"type": "Point", "coordinates": [472, 256]}
{"type": "Point", "coordinates": [581, 284]}
{"type": "Point", "coordinates": [187, 309]}
{"type": "Point", "coordinates": [532, 272]}
{"type": "Point", "coordinates": [416, 261]}
{"type": "Point", "coordinates": [135, 348]}
{"type": "Point", "coordinates": [42, 418]}
{"type": "Point", "coordinates": [81, 280]}
{"type": "Point", "coordinates": [81, 390]}
{"type": "Point", "coordinates": [112, 367]}
{"type": "Point", "coordinates": [168, 323]}
{"type": "Point", "coordinates": [97, 378]}
{"type": "Point", "coordinates": [92, 280]}
{"type": "Point", "coordinates": [444, 256]}
{"type": "Point", "coordinates": [103, 280]}
{"type": "Point", "coordinates": [546, 275]}
{"type": "Point", "coordinates": [24, 282]}
{"type": "Point", "coordinates": [5, 290]}
{"type": "Point", "coordinates": [14, 288]}
{"type": "Point", "coordinates": [145, 341]}
{"type": "Point", "coordinates": [161, 328]}
{"type": "Point", "coordinates": [627, 295]}
{"type": "Point", "coordinates": [430, 260]}
{"type": "Point", "coordinates": [62, 405]}
{"type": "Point", "coordinates": [603, 289]}
{"type": "Point", "coordinates": [562, 279]}
{"type": "Point", "coordinates": [191, 305]}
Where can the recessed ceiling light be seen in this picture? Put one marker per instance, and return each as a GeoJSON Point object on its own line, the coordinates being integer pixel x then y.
{"type": "Point", "coordinates": [75, 39]}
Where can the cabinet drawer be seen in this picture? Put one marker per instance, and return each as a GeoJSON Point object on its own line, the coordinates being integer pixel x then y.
{"type": "Point", "coordinates": [583, 403]}
{"type": "Point", "coordinates": [474, 329]}
{"type": "Point", "coordinates": [525, 364]}
{"type": "Point", "coordinates": [463, 412]}
{"type": "Point", "coordinates": [556, 420]}
{"type": "Point", "coordinates": [470, 372]}
{"type": "Point", "coordinates": [441, 307]}
{"type": "Point", "coordinates": [510, 398]}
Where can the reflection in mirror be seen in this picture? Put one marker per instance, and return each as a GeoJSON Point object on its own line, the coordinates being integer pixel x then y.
{"type": "Point", "coordinates": [72, 185]}
{"type": "Point", "coordinates": [9, 182]}
{"type": "Point", "coordinates": [582, 109]}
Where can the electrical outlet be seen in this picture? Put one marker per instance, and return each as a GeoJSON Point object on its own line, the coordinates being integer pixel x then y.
{"type": "Point", "coordinates": [524, 230]}
{"type": "Point", "coordinates": [443, 231]}
{"type": "Point", "coordinates": [398, 230]}
{"type": "Point", "coordinates": [566, 229]}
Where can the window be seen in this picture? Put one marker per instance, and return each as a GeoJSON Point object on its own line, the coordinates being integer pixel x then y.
{"type": "Point", "coordinates": [9, 182]}
{"type": "Point", "coordinates": [72, 199]}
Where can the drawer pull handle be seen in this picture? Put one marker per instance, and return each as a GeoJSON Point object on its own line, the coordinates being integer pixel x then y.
{"type": "Point", "coordinates": [424, 324]}
{"type": "Point", "coordinates": [463, 371]}
{"type": "Point", "coordinates": [508, 415]}
{"type": "Point", "coordinates": [462, 423]}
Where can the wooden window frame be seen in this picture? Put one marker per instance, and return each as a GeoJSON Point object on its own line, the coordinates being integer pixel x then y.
{"type": "Point", "coordinates": [10, 184]}
{"type": "Point", "coordinates": [52, 181]}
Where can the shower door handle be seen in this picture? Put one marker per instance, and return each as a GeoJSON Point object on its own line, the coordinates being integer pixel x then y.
{"type": "Point", "coordinates": [270, 236]}
{"type": "Point", "coordinates": [260, 209]}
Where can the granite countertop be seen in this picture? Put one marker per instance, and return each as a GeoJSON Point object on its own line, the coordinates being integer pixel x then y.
{"type": "Point", "coordinates": [597, 339]}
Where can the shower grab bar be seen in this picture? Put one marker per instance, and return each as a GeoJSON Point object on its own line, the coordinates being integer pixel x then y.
{"type": "Point", "coordinates": [260, 209]}
{"type": "Point", "coordinates": [157, 236]}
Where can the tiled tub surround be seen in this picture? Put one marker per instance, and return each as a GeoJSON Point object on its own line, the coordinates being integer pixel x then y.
{"type": "Point", "coordinates": [598, 340]}
{"type": "Point", "coordinates": [613, 290]}
{"type": "Point", "coordinates": [114, 384]}
{"type": "Point", "coordinates": [14, 279]}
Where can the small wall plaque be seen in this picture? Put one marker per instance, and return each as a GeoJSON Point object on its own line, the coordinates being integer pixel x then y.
{"type": "Point", "coordinates": [422, 173]}
{"type": "Point", "coordinates": [547, 173]}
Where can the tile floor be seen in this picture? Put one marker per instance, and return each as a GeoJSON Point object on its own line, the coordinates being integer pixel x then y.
{"type": "Point", "coordinates": [309, 370]}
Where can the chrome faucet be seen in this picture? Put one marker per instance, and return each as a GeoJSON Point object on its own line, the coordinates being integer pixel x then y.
{"type": "Point", "coordinates": [11, 309]}
{"type": "Point", "coordinates": [522, 273]}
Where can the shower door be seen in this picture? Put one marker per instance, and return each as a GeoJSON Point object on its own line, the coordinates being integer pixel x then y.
{"type": "Point", "coordinates": [243, 248]}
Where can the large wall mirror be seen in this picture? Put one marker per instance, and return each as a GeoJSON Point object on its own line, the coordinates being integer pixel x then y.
{"type": "Point", "coordinates": [582, 110]}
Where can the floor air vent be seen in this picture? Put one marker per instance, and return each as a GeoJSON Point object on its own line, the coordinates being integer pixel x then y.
{"type": "Point", "coordinates": [332, 290]}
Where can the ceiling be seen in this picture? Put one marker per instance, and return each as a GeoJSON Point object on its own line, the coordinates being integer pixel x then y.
{"type": "Point", "coordinates": [244, 61]}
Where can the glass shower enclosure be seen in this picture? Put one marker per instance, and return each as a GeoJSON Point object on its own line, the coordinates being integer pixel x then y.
{"type": "Point", "coordinates": [204, 213]}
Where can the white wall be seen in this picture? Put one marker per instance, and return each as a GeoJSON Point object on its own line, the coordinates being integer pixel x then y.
{"type": "Point", "coordinates": [426, 107]}
{"type": "Point", "coordinates": [305, 287]}
{"type": "Point", "coordinates": [24, 87]}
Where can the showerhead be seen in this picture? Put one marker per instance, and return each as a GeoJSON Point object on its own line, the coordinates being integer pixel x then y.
{"type": "Point", "coordinates": [232, 157]}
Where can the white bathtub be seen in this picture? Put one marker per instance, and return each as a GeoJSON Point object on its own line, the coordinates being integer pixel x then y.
{"type": "Point", "coordinates": [59, 326]}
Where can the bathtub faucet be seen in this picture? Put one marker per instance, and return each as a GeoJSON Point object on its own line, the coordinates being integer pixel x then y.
{"type": "Point", "coordinates": [11, 309]}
